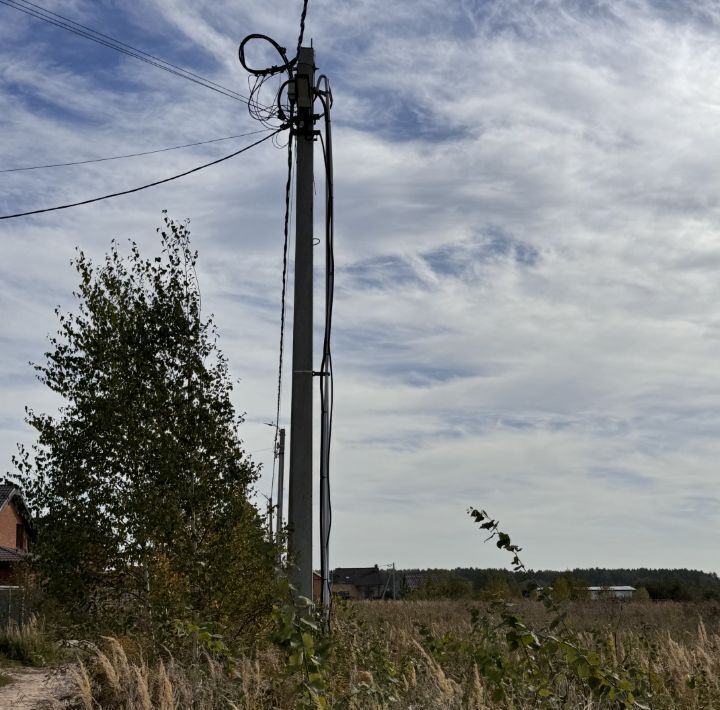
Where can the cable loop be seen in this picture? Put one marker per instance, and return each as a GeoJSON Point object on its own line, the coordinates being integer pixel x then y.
{"type": "Point", "coordinates": [326, 92]}
{"type": "Point", "coordinates": [287, 64]}
{"type": "Point", "coordinates": [281, 113]}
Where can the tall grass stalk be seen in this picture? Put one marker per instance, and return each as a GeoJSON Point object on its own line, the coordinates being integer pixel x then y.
{"type": "Point", "coordinates": [29, 643]}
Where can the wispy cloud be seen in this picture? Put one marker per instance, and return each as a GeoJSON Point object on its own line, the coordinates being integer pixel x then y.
{"type": "Point", "coordinates": [527, 245]}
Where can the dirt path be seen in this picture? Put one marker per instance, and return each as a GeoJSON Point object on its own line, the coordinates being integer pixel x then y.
{"type": "Point", "coordinates": [36, 689]}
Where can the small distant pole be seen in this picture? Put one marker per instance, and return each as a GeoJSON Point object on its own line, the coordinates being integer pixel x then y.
{"type": "Point", "coordinates": [394, 585]}
{"type": "Point", "coordinates": [281, 483]}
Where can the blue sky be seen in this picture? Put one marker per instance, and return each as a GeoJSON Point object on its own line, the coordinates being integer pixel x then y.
{"type": "Point", "coordinates": [527, 305]}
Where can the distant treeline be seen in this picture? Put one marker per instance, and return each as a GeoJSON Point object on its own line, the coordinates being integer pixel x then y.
{"type": "Point", "coordinates": [660, 584]}
{"type": "Point", "coordinates": [676, 584]}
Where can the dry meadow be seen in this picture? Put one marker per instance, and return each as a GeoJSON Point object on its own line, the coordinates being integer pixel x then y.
{"type": "Point", "coordinates": [439, 654]}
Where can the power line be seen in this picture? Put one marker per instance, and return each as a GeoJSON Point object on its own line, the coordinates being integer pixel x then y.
{"type": "Point", "coordinates": [258, 111]}
{"type": "Point", "coordinates": [265, 115]}
{"type": "Point", "coordinates": [123, 44]}
{"type": "Point", "coordinates": [303, 16]}
{"type": "Point", "coordinates": [131, 155]}
{"type": "Point", "coordinates": [143, 187]}
{"type": "Point", "coordinates": [108, 41]}
{"type": "Point", "coordinates": [288, 209]}
{"type": "Point", "coordinates": [41, 13]}
{"type": "Point", "coordinates": [326, 368]}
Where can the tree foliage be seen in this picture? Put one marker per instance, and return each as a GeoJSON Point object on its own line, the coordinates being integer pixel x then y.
{"type": "Point", "coordinates": [661, 584]}
{"type": "Point", "coordinates": [566, 587]}
{"type": "Point", "coordinates": [140, 483]}
{"type": "Point", "coordinates": [440, 584]}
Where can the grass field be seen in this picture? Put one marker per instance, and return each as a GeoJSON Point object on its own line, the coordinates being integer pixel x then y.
{"type": "Point", "coordinates": [669, 653]}
{"type": "Point", "coordinates": [434, 654]}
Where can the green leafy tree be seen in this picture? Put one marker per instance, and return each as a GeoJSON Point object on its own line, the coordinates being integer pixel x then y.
{"type": "Point", "coordinates": [498, 586]}
{"type": "Point", "coordinates": [443, 584]}
{"type": "Point", "coordinates": [140, 484]}
{"type": "Point", "coordinates": [567, 586]}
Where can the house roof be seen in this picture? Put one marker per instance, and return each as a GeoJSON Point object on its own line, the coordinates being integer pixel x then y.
{"type": "Point", "coordinates": [359, 576]}
{"type": "Point", "coordinates": [620, 588]}
{"type": "Point", "coordinates": [10, 492]}
{"type": "Point", "coordinates": [10, 554]}
{"type": "Point", "coordinates": [6, 491]}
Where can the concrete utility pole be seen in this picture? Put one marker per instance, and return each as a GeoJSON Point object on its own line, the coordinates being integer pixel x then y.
{"type": "Point", "coordinates": [281, 482]}
{"type": "Point", "coordinates": [300, 511]}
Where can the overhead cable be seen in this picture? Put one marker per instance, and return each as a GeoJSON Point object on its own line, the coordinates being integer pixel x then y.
{"type": "Point", "coordinates": [326, 365]}
{"type": "Point", "coordinates": [53, 18]}
{"type": "Point", "coordinates": [131, 155]}
{"type": "Point", "coordinates": [288, 209]}
{"type": "Point", "coordinates": [303, 16]}
{"type": "Point", "coordinates": [268, 116]}
{"type": "Point", "coordinates": [143, 187]}
{"type": "Point", "coordinates": [275, 111]}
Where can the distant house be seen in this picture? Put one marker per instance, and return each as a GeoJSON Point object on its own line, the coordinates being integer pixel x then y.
{"type": "Point", "coordinates": [360, 582]}
{"type": "Point", "coordinates": [612, 592]}
{"type": "Point", "coordinates": [14, 532]}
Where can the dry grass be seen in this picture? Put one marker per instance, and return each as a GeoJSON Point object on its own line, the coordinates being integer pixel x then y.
{"type": "Point", "coordinates": [679, 618]}
{"type": "Point", "coordinates": [380, 661]}
{"type": "Point", "coordinates": [111, 680]}
{"type": "Point", "coordinates": [28, 644]}
{"type": "Point", "coordinates": [674, 650]}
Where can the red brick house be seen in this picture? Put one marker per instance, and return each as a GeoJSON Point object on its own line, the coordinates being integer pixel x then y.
{"type": "Point", "coordinates": [14, 531]}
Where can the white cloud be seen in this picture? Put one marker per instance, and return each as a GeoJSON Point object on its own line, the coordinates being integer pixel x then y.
{"type": "Point", "coordinates": [526, 248]}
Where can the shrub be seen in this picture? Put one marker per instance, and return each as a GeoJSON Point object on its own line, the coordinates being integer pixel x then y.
{"type": "Point", "coordinates": [29, 643]}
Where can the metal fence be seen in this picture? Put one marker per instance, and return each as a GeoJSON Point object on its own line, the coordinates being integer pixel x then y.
{"type": "Point", "coordinates": [13, 604]}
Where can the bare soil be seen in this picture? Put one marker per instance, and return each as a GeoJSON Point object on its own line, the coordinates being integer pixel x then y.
{"type": "Point", "coordinates": [37, 689]}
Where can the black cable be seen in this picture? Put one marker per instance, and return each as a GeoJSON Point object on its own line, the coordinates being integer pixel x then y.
{"type": "Point", "coordinates": [107, 41]}
{"type": "Point", "coordinates": [143, 187]}
{"type": "Point", "coordinates": [265, 115]}
{"type": "Point", "coordinates": [131, 155]}
{"type": "Point", "coordinates": [288, 195]}
{"type": "Point", "coordinates": [326, 368]}
{"type": "Point", "coordinates": [124, 44]}
{"type": "Point", "coordinates": [326, 93]}
{"type": "Point", "coordinates": [303, 15]}
{"type": "Point", "coordinates": [226, 92]}
{"type": "Point", "coordinates": [265, 71]}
